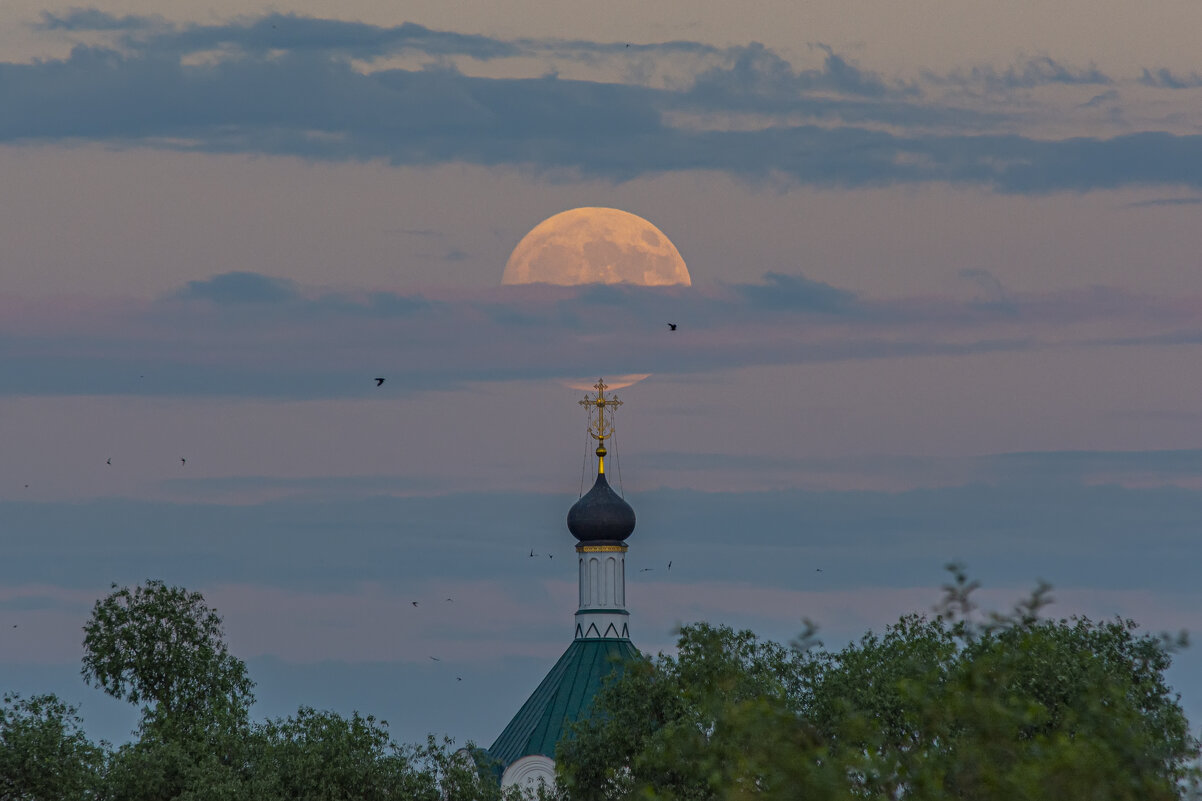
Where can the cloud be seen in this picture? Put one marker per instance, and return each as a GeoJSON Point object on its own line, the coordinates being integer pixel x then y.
{"type": "Point", "coordinates": [1166, 201]}
{"type": "Point", "coordinates": [1162, 466]}
{"type": "Point", "coordinates": [994, 295]}
{"type": "Point", "coordinates": [1165, 79]}
{"type": "Point", "coordinates": [355, 39]}
{"type": "Point", "coordinates": [380, 304]}
{"type": "Point", "coordinates": [1028, 74]}
{"type": "Point", "coordinates": [93, 19]}
{"type": "Point", "coordinates": [240, 287]}
{"type": "Point", "coordinates": [249, 335]}
{"type": "Point", "coordinates": [1009, 531]}
{"type": "Point", "coordinates": [236, 289]}
{"type": "Point", "coordinates": [756, 74]}
{"type": "Point", "coordinates": [291, 85]}
{"type": "Point", "coordinates": [842, 75]}
{"type": "Point", "coordinates": [1108, 98]}
{"type": "Point", "coordinates": [797, 293]}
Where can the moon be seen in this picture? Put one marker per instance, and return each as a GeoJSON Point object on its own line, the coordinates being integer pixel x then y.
{"type": "Point", "coordinates": [596, 245]}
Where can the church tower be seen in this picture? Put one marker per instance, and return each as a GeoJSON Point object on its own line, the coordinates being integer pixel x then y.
{"type": "Point", "coordinates": [601, 521]}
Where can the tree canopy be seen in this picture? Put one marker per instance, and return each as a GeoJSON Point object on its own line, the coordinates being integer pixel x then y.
{"type": "Point", "coordinates": [952, 706]}
{"type": "Point", "coordinates": [163, 648]}
{"type": "Point", "coordinates": [44, 753]}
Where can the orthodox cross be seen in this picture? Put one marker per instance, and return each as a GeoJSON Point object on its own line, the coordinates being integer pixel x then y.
{"type": "Point", "coordinates": [602, 429]}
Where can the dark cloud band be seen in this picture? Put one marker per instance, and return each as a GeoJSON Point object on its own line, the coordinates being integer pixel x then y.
{"type": "Point", "coordinates": [287, 85]}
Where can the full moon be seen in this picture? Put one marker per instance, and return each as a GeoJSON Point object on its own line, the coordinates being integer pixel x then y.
{"type": "Point", "coordinates": [595, 245]}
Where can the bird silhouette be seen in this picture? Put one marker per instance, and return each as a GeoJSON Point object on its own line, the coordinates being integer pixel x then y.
{"type": "Point", "coordinates": [531, 553]}
{"type": "Point", "coordinates": [413, 602]}
{"type": "Point", "coordinates": [817, 570]}
{"type": "Point", "coordinates": [459, 678]}
{"type": "Point", "coordinates": [646, 569]}
{"type": "Point", "coordinates": [108, 461]}
{"type": "Point", "coordinates": [550, 556]}
{"type": "Point", "coordinates": [450, 599]}
{"type": "Point", "coordinates": [379, 382]}
{"type": "Point", "coordinates": [182, 461]}
{"type": "Point", "coordinates": [669, 565]}
{"type": "Point", "coordinates": [671, 326]}
{"type": "Point", "coordinates": [436, 659]}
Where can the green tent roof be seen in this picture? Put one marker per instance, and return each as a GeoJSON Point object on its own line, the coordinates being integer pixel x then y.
{"type": "Point", "coordinates": [562, 698]}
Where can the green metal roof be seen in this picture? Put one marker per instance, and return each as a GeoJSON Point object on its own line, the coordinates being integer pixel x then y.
{"type": "Point", "coordinates": [562, 698]}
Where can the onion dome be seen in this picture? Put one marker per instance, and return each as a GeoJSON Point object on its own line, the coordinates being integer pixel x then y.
{"type": "Point", "coordinates": [601, 515]}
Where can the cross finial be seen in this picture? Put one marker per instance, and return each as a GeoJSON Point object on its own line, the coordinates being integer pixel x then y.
{"type": "Point", "coordinates": [602, 429]}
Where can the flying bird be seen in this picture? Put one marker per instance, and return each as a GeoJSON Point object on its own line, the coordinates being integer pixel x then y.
{"type": "Point", "coordinates": [379, 382]}
{"type": "Point", "coordinates": [450, 599]}
{"type": "Point", "coordinates": [671, 326]}
{"type": "Point", "coordinates": [459, 678]}
{"type": "Point", "coordinates": [550, 556]}
{"type": "Point", "coordinates": [436, 659]}
{"type": "Point", "coordinates": [646, 569]}
{"type": "Point", "coordinates": [817, 570]}
{"type": "Point", "coordinates": [669, 564]}
{"type": "Point", "coordinates": [413, 602]}
{"type": "Point", "coordinates": [182, 461]}
{"type": "Point", "coordinates": [109, 460]}
{"type": "Point", "coordinates": [531, 553]}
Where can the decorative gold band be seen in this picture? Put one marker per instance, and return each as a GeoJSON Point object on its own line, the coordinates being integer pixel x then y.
{"type": "Point", "coordinates": [601, 549]}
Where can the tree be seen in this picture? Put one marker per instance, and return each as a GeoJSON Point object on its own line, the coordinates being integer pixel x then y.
{"type": "Point", "coordinates": [1003, 706]}
{"type": "Point", "coordinates": [692, 726]}
{"type": "Point", "coordinates": [319, 754]}
{"type": "Point", "coordinates": [957, 706]}
{"type": "Point", "coordinates": [44, 753]}
{"type": "Point", "coordinates": [162, 647]}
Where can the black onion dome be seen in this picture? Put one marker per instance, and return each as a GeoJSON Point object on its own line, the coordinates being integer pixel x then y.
{"type": "Point", "coordinates": [601, 515]}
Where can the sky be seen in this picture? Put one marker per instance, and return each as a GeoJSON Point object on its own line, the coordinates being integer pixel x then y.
{"type": "Point", "coordinates": [946, 306]}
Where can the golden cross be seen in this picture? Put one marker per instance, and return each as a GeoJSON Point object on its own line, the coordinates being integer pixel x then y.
{"type": "Point", "coordinates": [602, 430]}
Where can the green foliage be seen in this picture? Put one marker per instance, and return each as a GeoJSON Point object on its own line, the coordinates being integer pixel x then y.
{"type": "Point", "coordinates": [958, 706]}
{"type": "Point", "coordinates": [153, 768]}
{"type": "Point", "coordinates": [692, 726]}
{"type": "Point", "coordinates": [324, 755]}
{"type": "Point", "coordinates": [955, 706]}
{"type": "Point", "coordinates": [44, 753]}
{"type": "Point", "coordinates": [162, 647]}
